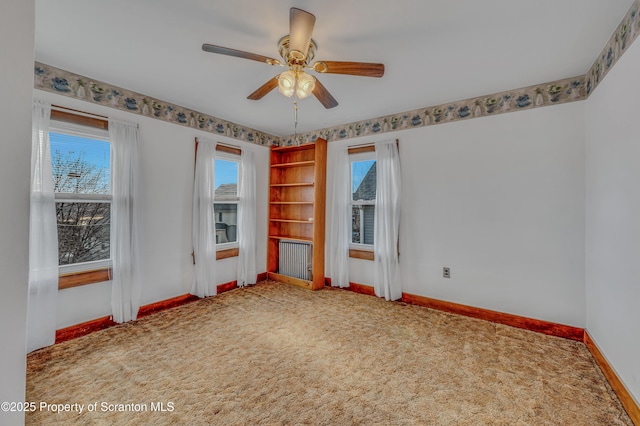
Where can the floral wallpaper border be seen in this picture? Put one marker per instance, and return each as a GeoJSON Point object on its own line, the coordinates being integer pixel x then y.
{"type": "Point", "coordinates": [620, 40]}
{"type": "Point", "coordinates": [55, 80]}
{"type": "Point", "coordinates": [553, 93]}
{"type": "Point", "coordinates": [65, 83]}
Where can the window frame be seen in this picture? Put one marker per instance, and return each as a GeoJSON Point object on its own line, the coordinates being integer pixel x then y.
{"type": "Point", "coordinates": [360, 250]}
{"type": "Point", "coordinates": [82, 273]}
{"type": "Point", "coordinates": [229, 249]}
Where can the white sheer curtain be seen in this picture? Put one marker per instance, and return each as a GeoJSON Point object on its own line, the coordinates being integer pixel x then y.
{"type": "Point", "coordinates": [204, 226]}
{"type": "Point", "coordinates": [43, 237]}
{"type": "Point", "coordinates": [125, 290]}
{"type": "Point", "coordinates": [340, 221]}
{"type": "Point", "coordinates": [247, 221]}
{"type": "Point", "coordinates": [387, 221]}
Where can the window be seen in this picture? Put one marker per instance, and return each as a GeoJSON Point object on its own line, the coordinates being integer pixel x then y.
{"type": "Point", "coordinates": [363, 199]}
{"type": "Point", "coordinates": [81, 165]}
{"type": "Point", "coordinates": [225, 205]}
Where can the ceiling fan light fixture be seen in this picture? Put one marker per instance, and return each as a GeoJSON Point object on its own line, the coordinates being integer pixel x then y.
{"type": "Point", "coordinates": [305, 86]}
{"type": "Point", "coordinates": [287, 83]}
{"type": "Point", "coordinates": [298, 82]}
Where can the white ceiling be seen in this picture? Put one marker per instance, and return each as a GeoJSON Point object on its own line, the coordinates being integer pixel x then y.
{"type": "Point", "coordinates": [435, 51]}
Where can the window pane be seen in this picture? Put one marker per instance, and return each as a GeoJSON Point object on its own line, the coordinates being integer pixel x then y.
{"type": "Point", "coordinates": [80, 165]}
{"type": "Point", "coordinates": [83, 232]}
{"type": "Point", "coordinates": [226, 179]}
{"type": "Point", "coordinates": [363, 180]}
{"type": "Point", "coordinates": [362, 218]}
{"type": "Point", "coordinates": [226, 222]}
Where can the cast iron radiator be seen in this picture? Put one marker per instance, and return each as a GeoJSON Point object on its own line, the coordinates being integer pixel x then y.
{"type": "Point", "coordinates": [295, 259]}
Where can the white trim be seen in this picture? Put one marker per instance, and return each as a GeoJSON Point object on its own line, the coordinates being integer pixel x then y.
{"type": "Point", "coordinates": [354, 158]}
{"type": "Point", "coordinates": [227, 246]}
{"type": "Point", "coordinates": [362, 156]}
{"type": "Point", "coordinates": [227, 155]}
{"type": "Point", "coordinates": [79, 130]}
{"type": "Point", "coordinates": [84, 266]}
{"type": "Point", "coordinates": [82, 198]}
{"type": "Point", "coordinates": [363, 247]}
{"type": "Point", "coordinates": [234, 158]}
{"type": "Point", "coordinates": [100, 135]}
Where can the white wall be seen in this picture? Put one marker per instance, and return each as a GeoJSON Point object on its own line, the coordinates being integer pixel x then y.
{"type": "Point", "coordinates": [17, 26]}
{"type": "Point", "coordinates": [499, 200]}
{"type": "Point", "coordinates": [167, 152]}
{"type": "Point", "coordinates": [613, 218]}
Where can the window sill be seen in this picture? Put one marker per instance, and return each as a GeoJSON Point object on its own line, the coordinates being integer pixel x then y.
{"type": "Point", "coordinates": [76, 279]}
{"type": "Point", "coordinates": [227, 253]}
{"type": "Point", "coordinates": [361, 254]}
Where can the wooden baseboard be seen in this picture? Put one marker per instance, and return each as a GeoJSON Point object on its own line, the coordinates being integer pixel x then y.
{"type": "Point", "coordinates": [162, 305]}
{"type": "Point", "coordinates": [539, 326]}
{"type": "Point", "coordinates": [354, 287]}
{"type": "Point", "coordinates": [559, 330]}
{"type": "Point", "coordinates": [626, 399]}
{"type": "Point", "coordinates": [85, 328]}
{"type": "Point", "coordinates": [231, 285]}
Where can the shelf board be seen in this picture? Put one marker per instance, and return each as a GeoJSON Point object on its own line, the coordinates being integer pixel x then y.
{"type": "Point", "coordinates": [287, 237]}
{"type": "Point", "coordinates": [290, 280]}
{"type": "Point", "coordinates": [291, 221]}
{"type": "Point", "coordinates": [294, 164]}
{"type": "Point", "coordinates": [294, 148]}
{"type": "Point", "coordinates": [286, 185]}
{"type": "Point", "coordinates": [292, 203]}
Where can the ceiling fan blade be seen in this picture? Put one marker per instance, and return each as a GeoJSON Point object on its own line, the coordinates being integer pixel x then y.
{"type": "Point", "coordinates": [300, 28]}
{"type": "Point", "coordinates": [366, 69]}
{"type": "Point", "coordinates": [264, 89]}
{"type": "Point", "coordinates": [323, 95]}
{"type": "Point", "coordinates": [239, 54]}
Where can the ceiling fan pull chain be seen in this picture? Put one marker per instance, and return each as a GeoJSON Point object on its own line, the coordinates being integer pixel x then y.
{"type": "Point", "coordinates": [295, 121]}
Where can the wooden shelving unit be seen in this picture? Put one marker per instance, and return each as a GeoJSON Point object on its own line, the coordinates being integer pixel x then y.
{"type": "Point", "coordinates": [297, 184]}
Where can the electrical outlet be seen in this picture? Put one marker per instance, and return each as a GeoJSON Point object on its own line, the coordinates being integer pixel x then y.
{"type": "Point", "coordinates": [446, 272]}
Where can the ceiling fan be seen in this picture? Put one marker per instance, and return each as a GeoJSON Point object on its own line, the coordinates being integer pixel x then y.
{"type": "Point", "coordinates": [297, 50]}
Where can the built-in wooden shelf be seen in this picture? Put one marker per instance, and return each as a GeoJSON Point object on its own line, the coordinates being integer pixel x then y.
{"type": "Point", "coordinates": [289, 185]}
{"type": "Point", "coordinates": [291, 203]}
{"type": "Point", "coordinates": [289, 280]}
{"type": "Point", "coordinates": [302, 147]}
{"type": "Point", "coordinates": [293, 164]}
{"type": "Point", "coordinates": [297, 183]}
{"type": "Point", "coordinates": [291, 238]}
{"type": "Point", "coordinates": [292, 221]}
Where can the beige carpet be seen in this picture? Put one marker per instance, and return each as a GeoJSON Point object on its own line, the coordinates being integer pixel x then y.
{"type": "Point", "coordinates": [277, 354]}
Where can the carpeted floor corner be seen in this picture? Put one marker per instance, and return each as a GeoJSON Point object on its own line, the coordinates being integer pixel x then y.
{"type": "Point", "coordinates": [278, 354]}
